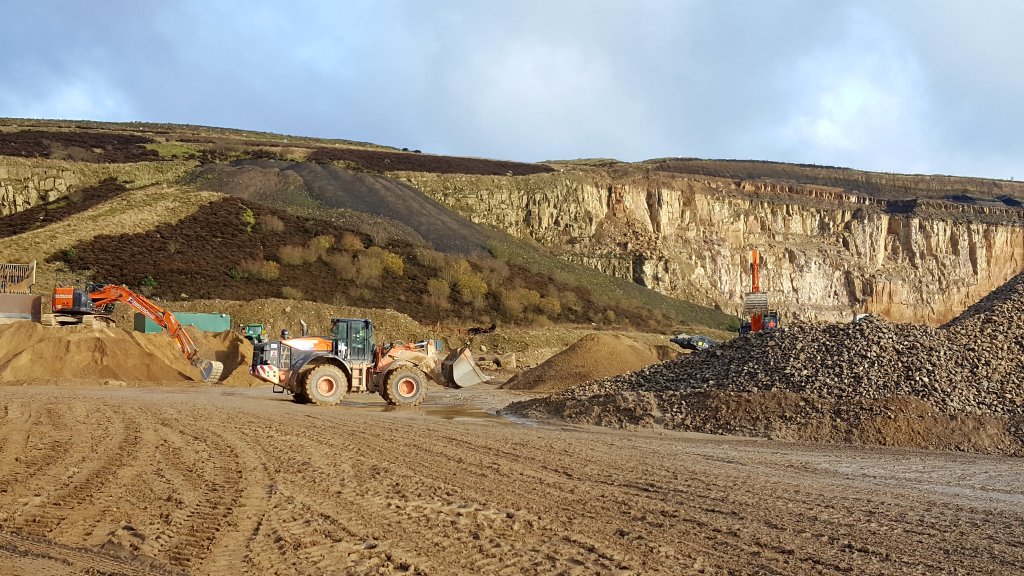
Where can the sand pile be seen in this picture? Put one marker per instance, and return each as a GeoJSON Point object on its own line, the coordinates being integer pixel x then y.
{"type": "Point", "coordinates": [228, 348]}
{"type": "Point", "coordinates": [31, 351]}
{"type": "Point", "coordinates": [958, 387]}
{"type": "Point", "coordinates": [591, 357]}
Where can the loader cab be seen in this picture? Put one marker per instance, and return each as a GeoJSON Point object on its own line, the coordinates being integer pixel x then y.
{"type": "Point", "coordinates": [352, 339]}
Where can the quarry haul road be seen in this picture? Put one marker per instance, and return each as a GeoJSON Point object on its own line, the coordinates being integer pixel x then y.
{"type": "Point", "coordinates": [240, 481]}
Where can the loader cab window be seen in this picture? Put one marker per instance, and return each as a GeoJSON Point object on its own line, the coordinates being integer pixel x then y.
{"type": "Point", "coordinates": [355, 336]}
{"type": "Point", "coordinates": [357, 341]}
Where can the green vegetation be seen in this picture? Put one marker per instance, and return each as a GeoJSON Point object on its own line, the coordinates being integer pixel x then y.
{"type": "Point", "coordinates": [660, 311]}
{"type": "Point", "coordinates": [176, 150]}
{"type": "Point", "coordinates": [248, 219]}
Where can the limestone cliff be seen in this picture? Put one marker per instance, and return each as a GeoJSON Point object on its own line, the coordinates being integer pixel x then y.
{"type": "Point", "coordinates": [29, 182]}
{"type": "Point", "coordinates": [830, 252]}
{"type": "Point", "coordinates": [22, 187]}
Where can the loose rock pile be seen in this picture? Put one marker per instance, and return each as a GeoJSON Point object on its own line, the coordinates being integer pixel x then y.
{"type": "Point", "coordinates": [835, 373]}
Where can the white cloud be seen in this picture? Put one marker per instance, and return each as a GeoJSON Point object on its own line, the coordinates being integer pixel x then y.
{"type": "Point", "coordinates": [83, 98]}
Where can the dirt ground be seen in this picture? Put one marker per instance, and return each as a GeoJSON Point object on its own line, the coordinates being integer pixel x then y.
{"type": "Point", "coordinates": [241, 481]}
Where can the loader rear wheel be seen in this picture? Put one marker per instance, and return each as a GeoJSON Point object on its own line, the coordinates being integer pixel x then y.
{"type": "Point", "coordinates": [325, 385]}
{"type": "Point", "coordinates": [404, 386]}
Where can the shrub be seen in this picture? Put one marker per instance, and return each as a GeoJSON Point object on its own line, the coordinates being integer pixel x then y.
{"type": "Point", "coordinates": [493, 271]}
{"type": "Point", "coordinates": [470, 287]}
{"type": "Point", "coordinates": [437, 293]}
{"type": "Point", "coordinates": [430, 258]}
{"type": "Point", "coordinates": [510, 303]}
{"type": "Point", "coordinates": [292, 293]}
{"type": "Point", "coordinates": [271, 223]}
{"type": "Point", "coordinates": [235, 274]}
{"type": "Point", "coordinates": [451, 271]}
{"type": "Point", "coordinates": [370, 266]}
{"type": "Point", "coordinates": [530, 298]}
{"type": "Point", "coordinates": [248, 218]}
{"type": "Point", "coordinates": [324, 242]}
{"type": "Point", "coordinates": [262, 269]}
{"type": "Point", "coordinates": [393, 264]}
{"type": "Point", "coordinates": [570, 302]}
{"type": "Point", "coordinates": [343, 264]}
{"type": "Point", "coordinates": [549, 307]}
{"type": "Point", "coordinates": [148, 282]}
{"type": "Point", "coordinates": [609, 316]}
{"type": "Point", "coordinates": [293, 255]}
{"type": "Point", "coordinates": [350, 242]}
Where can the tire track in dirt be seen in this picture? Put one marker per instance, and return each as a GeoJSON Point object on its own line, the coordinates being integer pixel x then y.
{"type": "Point", "coordinates": [42, 557]}
{"type": "Point", "coordinates": [237, 483]}
{"type": "Point", "coordinates": [114, 445]}
{"type": "Point", "coordinates": [500, 538]}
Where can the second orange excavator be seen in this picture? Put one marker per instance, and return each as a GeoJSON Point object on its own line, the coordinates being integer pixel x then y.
{"type": "Point", "coordinates": [755, 302]}
{"type": "Point", "coordinates": [95, 303]}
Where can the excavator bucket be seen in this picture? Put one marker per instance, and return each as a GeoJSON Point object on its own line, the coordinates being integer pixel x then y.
{"type": "Point", "coordinates": [211, 370]}
{"type": "Point", "coordinates": [460, 371]}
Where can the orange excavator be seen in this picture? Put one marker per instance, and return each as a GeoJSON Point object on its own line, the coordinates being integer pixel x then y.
{"type": "Point", "coordinates": [94, 304]}
{"type": "Point", "coordinates": [755, 302]}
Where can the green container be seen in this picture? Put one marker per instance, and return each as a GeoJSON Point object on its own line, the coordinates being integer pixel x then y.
{"type": "Point", "coordinates": [202, 321]}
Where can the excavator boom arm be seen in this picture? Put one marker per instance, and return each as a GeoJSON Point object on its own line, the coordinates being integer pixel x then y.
{"type": "Point", "coordinates": [111, 293]}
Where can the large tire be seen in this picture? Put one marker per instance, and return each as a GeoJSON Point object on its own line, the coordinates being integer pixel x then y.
{"type": "Point", "coordinates": [325, 385]}
{"type": "Point", "coordinates": [404, 386]}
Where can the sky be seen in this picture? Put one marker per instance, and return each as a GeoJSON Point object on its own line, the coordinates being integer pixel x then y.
{"type": "Point", "coordinates": [912, 86]}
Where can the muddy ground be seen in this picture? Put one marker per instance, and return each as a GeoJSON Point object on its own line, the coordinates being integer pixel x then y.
{"type": "Point", "coordinates": [241, 481]}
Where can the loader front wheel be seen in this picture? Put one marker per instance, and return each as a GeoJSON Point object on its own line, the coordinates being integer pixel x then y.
{"type": "Point", "coordinates": [325, 385]}
{"type": "Point", "coordinates": [404, 386]}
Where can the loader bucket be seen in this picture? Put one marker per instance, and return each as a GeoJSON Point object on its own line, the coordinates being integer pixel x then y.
{"type": "Point", "coordinates": [460, 371]}
{"type": "Point", "coordinates": [210, 370]}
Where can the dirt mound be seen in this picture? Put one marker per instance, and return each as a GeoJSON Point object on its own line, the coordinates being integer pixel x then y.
{"type": "Point", "coordinates": [302, 184]}
{"type": "Point", "coordinates": [591, 357]}
{"type": "Point", "coordinates": [275, 314]}
{"type": "Point", "coordinates": [846, 378]}
{"type": "Point", "coordinates": [228, 348]}
{"type": "Point", "coordinates": [32, 351]}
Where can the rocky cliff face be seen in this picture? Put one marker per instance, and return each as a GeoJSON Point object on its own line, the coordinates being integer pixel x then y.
{"type": "Point", "coordinates": [22, 187]}
{"type": "Point", "coordinates": [830, 253]}
{"type": "Point", "coordinates": [28, 182]}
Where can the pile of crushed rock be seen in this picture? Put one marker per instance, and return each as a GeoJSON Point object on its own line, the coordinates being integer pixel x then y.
{"type": "Point", "coordinates": [960, 386]}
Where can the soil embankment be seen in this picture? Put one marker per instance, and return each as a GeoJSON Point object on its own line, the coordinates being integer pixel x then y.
{"type": "Point", "coordinates": [87, 354]}
{"type": "Point", "coordinates": [593, 356]}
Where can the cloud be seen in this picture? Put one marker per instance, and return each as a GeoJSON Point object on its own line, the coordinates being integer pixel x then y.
{"type": "Point", "coordinates": [907, 86]}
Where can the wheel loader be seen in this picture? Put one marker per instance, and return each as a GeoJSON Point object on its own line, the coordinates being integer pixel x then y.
{"type": "Point", "coordinates": [322, 370]}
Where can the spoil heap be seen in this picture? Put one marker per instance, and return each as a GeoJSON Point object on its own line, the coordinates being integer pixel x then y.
{"type": "Point", "coordinates": [30, 351]}
{"type": "Point", "coordinates": [592, 356]}
{"type": "Point", "coordinates": [873, 381]}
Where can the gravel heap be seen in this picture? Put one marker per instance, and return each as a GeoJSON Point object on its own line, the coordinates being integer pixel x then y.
{"type": "Point", "coordinates": [955, 371]}
{"type": "Point", "coordinates": [871, 381]}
